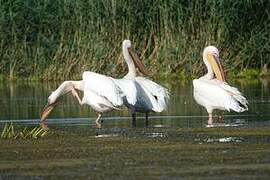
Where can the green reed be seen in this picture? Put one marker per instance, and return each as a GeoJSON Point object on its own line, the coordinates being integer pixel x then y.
{"type": "Point", "coordinates": [61, 39]}
{"type": "Point", "coordinates": [12, 132]}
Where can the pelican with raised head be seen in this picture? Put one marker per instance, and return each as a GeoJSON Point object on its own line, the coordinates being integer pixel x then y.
{"type": "Point", "coordinates": [211, 90]}
{"type": "Point", "coordinates": [151, 97]}
{"type": "Point", "coordinates": [99, 92]}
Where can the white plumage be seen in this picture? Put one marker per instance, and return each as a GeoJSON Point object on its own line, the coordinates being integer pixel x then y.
{"type": "Point", "coordinates": [214, 93]}
{"type": "Point", "coordinates": [99, 92]}
{"type": "Point", "coordinates": [150, 95]}
{"type": "Point", "coordinates": [128, 89]}
{"type": "Point", "coordinates": [158, 95]}
{"type": "Point", "coordinates": [102, 86]}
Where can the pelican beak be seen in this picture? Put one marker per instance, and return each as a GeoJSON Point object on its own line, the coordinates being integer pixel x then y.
{"type": "Point", "coordinates": [216, 66]}
{"type": "Point", "coordinates": [47, 111]}
{"type": "Point", "coordinates": [138, 63]}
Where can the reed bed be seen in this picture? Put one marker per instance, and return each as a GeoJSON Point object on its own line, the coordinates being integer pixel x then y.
{"type": "Point", "coordinates": [61, 39]}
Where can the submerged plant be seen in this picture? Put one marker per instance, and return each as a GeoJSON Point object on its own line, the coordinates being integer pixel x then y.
{"type": "Point", "coordinates": [9, 132]}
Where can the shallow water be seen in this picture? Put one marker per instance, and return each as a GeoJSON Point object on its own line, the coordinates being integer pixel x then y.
{"type": "Point", "coordinates": [176, 144]}
{"type": "Point", "coordinates": [22, 101]}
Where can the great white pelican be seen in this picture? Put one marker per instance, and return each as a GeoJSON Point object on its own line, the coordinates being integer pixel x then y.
{"type": "Point", "coordinates": [211, 90]}
{"type": "Point", "coordinates": [151, 97]}
{"type": "Point", "coordinates": [100, 92]}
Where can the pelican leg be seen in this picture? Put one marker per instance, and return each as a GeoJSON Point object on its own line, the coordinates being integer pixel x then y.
{"type": "Point", "coordinates": [146, 119]}
{"type": "Point", "coordinates": [210, 119]}
{"type": "Point", "coordinates": [133, 119]}
{"type": "Point", "coordinates": [75, 94]}
{"type": "Point", "coordinates": [97, 120]}
{"type": "Point", "coordinates": [133, 114]}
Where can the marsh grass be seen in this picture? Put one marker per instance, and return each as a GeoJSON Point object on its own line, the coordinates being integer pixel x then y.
{"type": "Point", "coordinates": [12, 132]}
{"type": "Point", "coordinates": [61, 39]}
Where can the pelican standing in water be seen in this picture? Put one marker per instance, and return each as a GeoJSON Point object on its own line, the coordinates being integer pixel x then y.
{"type": "Point", "coordinates": [212, 92]}
{"type": "Point", "coordinates": [100, 92]}
{"type": "Point", "coordinates": [151, 97]}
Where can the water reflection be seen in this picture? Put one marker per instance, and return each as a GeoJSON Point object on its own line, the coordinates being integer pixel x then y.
{"type": "Point", "coordinates": [156, 135]}
{"type": "Point", "coordinates": [22, 102]}
{"type": "Point", "coordinates": [220, 140]}
{"type": "Point", "coordinates": [106, 135]}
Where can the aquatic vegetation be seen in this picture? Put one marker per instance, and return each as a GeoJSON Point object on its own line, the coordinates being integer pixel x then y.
{"type": "Point", "coordinates": [9, 132]}
{"type": "Point", "coordinates": [265, 71]}
{"type": "Point", "coordinates": [60, 39]}
{"type": "Point", "coordinates": [246, 73]}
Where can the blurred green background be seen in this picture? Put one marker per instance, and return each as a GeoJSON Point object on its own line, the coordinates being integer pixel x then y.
{"type": "Point", "coordinates": [60, 39]}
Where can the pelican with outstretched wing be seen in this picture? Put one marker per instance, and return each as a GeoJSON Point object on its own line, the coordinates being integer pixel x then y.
{"type": "Point", "coordinates": [211, 90]}
{"type": "Point", "coordinates": [151, 97]}
{"type": "Point", "coordinates": [100, 92]}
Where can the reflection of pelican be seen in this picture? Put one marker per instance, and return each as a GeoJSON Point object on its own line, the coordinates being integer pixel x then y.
{"type": "Point", "coordinates": [150, 95]}
{"type": "Point", "coordinates": [214, 93]}
{"type": "Point", "coordinates": [100, 92]}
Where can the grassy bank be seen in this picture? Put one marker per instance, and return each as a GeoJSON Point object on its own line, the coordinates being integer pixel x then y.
{"type": "Point", "coordinates": [60, 39]}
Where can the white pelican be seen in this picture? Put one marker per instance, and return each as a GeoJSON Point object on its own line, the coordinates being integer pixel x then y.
{"type": "Point", "coordinates": [151, 97]}
{"type": "Point", "coordinates": [213, 92]}
{"type": "Point", "coordinates": [100, 92]}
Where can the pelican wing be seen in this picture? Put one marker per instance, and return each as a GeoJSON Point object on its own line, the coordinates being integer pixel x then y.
{"type": "Point", "coordinates": [219, 95]}
{"type": "Point", "coordinates": [128, 88]}
{"type": "Point", "coordinates": [236, 94]}
{"type": "Point", "coordinates": [103, 86]}
{"type": "Point", "coordinates": [158, 92]}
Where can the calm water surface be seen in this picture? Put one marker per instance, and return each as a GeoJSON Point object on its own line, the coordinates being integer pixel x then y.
{"type": "Point", "coordinates": [22, 101]}
{"type": "Point", "coordinates": [176, 145]}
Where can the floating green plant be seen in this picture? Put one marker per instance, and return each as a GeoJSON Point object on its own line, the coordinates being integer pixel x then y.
{"type": "Point", "coordinates": [9, 132]}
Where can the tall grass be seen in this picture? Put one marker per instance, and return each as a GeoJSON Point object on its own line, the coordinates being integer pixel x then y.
{"type": "Point", "coordinates": [60, 39]}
